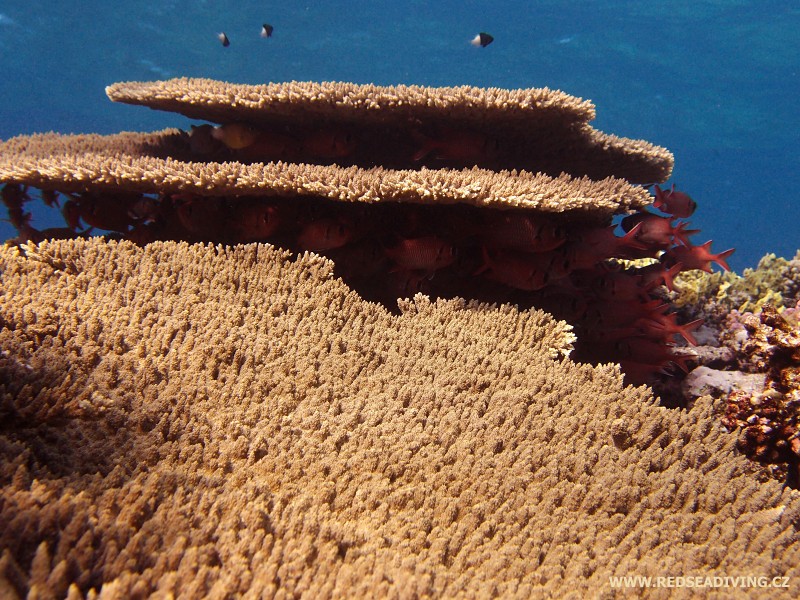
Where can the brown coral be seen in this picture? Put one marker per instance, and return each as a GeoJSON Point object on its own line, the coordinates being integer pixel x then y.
{"type": "Point", "coordinates": [239, 422]}
{"type": "Point", "coordinates": [146, 163]}
{"type": "Point", "coordinates": [474, 226]}
{"type": "Point", "coordinates": [536, 129]}
{"type": "Point", "coordinates": [770, 421]}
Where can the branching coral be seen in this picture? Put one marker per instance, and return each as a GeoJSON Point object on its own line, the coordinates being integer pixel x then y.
{"type": "Point", "coordinates": [247, 426]}
{"type": "Point", "coordinates": [503, 196]}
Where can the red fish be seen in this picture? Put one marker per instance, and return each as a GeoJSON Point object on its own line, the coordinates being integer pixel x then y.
{"type": "Point", "coordinates": [253, 221]}
{"type": "Point", "coordinates": [14, 197]}
{"type": "Point", "coordinates": [638, 373]}
{"type": "Point", "coordinates": [329, 143]}
{"type": "Point", "coordinates": [603, 315]}
{"type": "Point", "coordinates": [644, 350]}
{"type": "Point", "coordinates": [617, 285]}
{"type": "Point", "coordinates": [698, 257]}
{"type": "Point", "coordinates": [604, 243]}
{"type": "Point", "coordinates": [112, 211]}
{"type": "Point", "coordinates": [666, 324]}
{"type": "Point", "coordinates": [457, 145]}
{"type": "Point", "coordinates": [528, 272]}
{"type": "Point", "coordinates": [50, 198]}
{"type": "Point", "coordinates": [427, 253]}
{"type": "Point", "coordinates": [522, 232]}
{"type": "Point", "coordinates": [591, 248]}
{"type": "Point", "coordinates": [325, 234]}
{"type": "Point", "coordinates": [72, 214]}
{"type": "Point", "coordinates": [145, 210]}
{"type": "Point", "coordinates": [358, 260]}
{"type": "Point", "coordinates": [203, 217]}
{"type": "Point", "coordinates": [677, 204]}
{"type": "Point", "coordinates": [566, 304]}
{"type": "Point", "coordinates": [654, 275]}
{"type": "Point", "coordinates": [406, 283]}
{"type": "Point", "coordinates": [657, 231]}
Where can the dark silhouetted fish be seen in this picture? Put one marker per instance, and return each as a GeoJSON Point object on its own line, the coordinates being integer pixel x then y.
{"type": "Point", "coordinates": [482, 40]}
{"type": "Point", "coordinates": [224, 39]}
{"type": "Point", "coordinates": [266, 30]}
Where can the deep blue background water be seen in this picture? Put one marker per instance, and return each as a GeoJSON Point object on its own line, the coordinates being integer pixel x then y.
{"type": "Point", "coordinates": [716, 82]}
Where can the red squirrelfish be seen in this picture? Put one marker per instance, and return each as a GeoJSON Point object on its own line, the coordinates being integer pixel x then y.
{"type": "Point", "coordinates": [611, 314]}
{"type": "Point", "coordinates": [604, 243]}
{"type": "Point", "coordinates": [253, 221]}
{"type": "Point", "coordinates": [528, 272]}
{"type": "Point", "coordinates": [657, 231]}
{"type": "Point", "coordinates": [656, 274]}
{"type": "Point", "coordinates": [666, 324]}
{"type": "Point", "coordinates": [360, 259]}
{"type": "Point", "coordinates": [49, 197]}
{"type": "Point", "coordinates": [698, 257]}
{"type": "Point", "coordinates": [645, 350]}
{"type": "Point", "coordinates": [459, 145]}
{"type": "Point", "coordinates": [427, 253]}
{"type": "Point", "coordinates": [616, 285]}
{"type": "Point", "coordinates": [109, 211]}
{"type": "Point", "coordinates": [202, 217]}
{"type": "Point", "coordinates": [324, 234]}
{"type": "Point", "coordinates": [329, 143]}
{"type": "Point", "coordinates": [522, 232]}
{"type": "Point", "coordinates": [677, 204]}
{"type": "Point", "coordinates": [405, 283]}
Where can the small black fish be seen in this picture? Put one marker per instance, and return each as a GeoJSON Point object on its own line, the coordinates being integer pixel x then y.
{"type": "Point", "coordinates": [224, 39]}
{"type": "Point", "coordinates": [482, 40]}
{"type": "Point", "coordinates": [266, 30]}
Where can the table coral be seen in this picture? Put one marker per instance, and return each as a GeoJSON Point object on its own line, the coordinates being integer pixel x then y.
{"type": "Point", "coordinates": [498, 195]}
{"type": "Point", "coordinates": [203, 420]}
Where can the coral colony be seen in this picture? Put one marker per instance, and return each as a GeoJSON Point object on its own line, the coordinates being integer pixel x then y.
{"type": "Point", "coordinates": [608, 281]}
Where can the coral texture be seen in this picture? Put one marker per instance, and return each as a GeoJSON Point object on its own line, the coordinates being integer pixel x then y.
{"type": "Point", "coordinates": [770, 418]}
{"type": "Point", "coordinates": [537, 129]}
{"type": "Point", "coordinates": [218, 420]}
{"type": "Point", "coordinates": [147, 163]}
{"type": "Point", "coordinates": [774, 281]}
{"type": "Point", "coordinates": [430, 189]}
{"type": "Point", "coordinates": [752, 321]}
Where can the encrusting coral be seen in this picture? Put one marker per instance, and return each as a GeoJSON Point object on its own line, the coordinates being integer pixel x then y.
{"type": "Point", "coordinates": [211, 421]}
{"type": "Point", "coordinates": [496, 195]}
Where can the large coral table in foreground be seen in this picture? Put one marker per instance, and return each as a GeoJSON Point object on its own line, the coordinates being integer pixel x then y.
{"type": "Point", "coordinates": [213, 421]}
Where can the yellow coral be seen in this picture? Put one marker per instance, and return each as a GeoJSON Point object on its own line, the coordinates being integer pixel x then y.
{"type": "Point", "coordinates": [748, 292]}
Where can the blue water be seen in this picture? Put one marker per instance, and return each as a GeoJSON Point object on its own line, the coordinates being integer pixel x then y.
{"type": "Point", "coordinates": [716, 82]}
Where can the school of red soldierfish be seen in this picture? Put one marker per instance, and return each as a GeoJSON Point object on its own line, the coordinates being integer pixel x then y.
{"type": "Point", "coordinates": [391, 250]}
